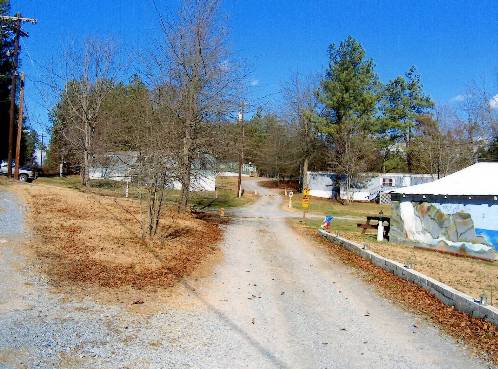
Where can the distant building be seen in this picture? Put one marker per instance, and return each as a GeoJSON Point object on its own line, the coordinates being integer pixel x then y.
{"type": "Point", "coordinates": [369, 187]}
{"type": "Point", "coordinates": [457, 213]}
{"type": "Point", "coordinates": [231, 169]}
{"type": "Point", "coordinates": [122, 166]}
{"type": "Point", "coordinates": [115, 166]}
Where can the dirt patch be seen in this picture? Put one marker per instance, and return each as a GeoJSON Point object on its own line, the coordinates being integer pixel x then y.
{"type": "Point", "coordinates": [291, 185]}
{"type": "Point", "coordinates": [480, 335]}
{"type": "Point", "coordinates": [93, 240]}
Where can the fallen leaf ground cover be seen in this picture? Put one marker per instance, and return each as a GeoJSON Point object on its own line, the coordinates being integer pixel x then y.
{"type": "Point", "coordinates": [471, 276]}
{"type": "Point", "coordinates": [94, 240]}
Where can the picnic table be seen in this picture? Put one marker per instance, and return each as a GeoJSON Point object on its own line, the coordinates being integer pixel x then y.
{"type": "Point", "coordinates": [373, 223]}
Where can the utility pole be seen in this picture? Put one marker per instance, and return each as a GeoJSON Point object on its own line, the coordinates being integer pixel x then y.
{"type": "Point", "coordinates": [19, 128]}
{"type": "Point", "coordinates": [18, 33]}
{"type": "Point", "coordinates": [241, 151]}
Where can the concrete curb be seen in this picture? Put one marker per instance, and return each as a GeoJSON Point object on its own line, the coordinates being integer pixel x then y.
{"type": "Point", "coordinates": [444, 293]}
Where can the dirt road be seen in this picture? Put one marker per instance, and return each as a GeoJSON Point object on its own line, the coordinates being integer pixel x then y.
{"type": "Point", "coordinates": [274, 301]}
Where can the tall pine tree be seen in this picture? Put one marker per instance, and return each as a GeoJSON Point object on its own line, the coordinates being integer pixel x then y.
{"type": "Point", "coordinates": [349, 94]}
{"type": "Point", "coordinates": [403, 103]}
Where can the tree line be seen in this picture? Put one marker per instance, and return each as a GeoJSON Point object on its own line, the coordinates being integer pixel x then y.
{"type": "Point", "coordinates": [170, 117]}
{"type": "Point", "coordinates": [182, 108]}
{"type": "Point", "coordinates": [349, 122]}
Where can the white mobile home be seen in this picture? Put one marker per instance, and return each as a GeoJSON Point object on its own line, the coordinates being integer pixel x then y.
{"type": "Point", "coordinates": [368, 187]}
{"type": "Point", "coordinates": [121, 166]}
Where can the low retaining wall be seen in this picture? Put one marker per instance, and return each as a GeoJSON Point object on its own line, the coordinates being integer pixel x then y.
{"type": "Point", "coordinates": [446, 294]}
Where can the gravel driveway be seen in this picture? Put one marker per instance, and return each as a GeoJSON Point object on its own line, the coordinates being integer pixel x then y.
{"type": "Point", "coordinates": [274, 301]}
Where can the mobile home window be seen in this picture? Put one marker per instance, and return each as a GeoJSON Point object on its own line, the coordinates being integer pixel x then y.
{"type": "Point", "coordinates": [387, 182]}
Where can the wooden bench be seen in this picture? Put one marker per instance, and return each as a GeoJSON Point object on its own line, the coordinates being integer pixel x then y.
{"type": "Point", "coordinates": [378, 218]}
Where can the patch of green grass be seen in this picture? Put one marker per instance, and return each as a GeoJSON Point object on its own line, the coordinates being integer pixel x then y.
{"type": "Point", "coordinates": [224, 197]}
{"type": "Point", "coordinates": [334, 208]}
{"type": "Point", "coordinates": [345, 227]}
{"type": "Point", "coordinates": [337, 225]}
{"type": "Point", "coordinates": [73, 182]}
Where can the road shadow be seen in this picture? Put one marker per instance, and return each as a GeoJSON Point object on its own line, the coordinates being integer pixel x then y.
{"type": "Point", "coordinates": [265, 353]}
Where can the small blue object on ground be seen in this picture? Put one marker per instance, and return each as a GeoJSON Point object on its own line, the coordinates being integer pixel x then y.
{"type": "Point", "coordinates": [326, 222]}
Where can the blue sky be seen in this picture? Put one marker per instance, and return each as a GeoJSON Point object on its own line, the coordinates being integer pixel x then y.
{"type": "Point", "coordinates": [451, 42]}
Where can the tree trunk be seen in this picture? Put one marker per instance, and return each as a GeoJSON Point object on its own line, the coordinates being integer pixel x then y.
{"type": "Point", "coordinates": [185, 191]}
{"type": "Point", "coordinates": [348, 189]}
{"type": "Point", "coordinates": [156, 197]}
{"type": "Point", "coordinates": [152, 206]}
{"type": "Point", "coordinates": [85, 172]}
{"type": "Point", "coordinates": [305, 172]}
{"type": "Point", "coordinates": [409, 161]}
{"type": "Point", "coordinates": [186, 169]}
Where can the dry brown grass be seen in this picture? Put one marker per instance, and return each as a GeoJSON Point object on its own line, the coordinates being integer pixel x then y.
{"type": "Point", "coordinates": [85, 238]}
{"type": "Point", "coordinates": [480, 335]}
{"type": "Point", "coordinates": [471, 276]}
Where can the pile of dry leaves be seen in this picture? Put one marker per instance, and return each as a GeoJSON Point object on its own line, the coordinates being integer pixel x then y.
{"type": "Point", "coordinates": [96, 240]}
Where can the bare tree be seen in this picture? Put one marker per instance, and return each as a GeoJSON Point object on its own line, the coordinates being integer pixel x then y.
{"type": "Point", "coordinates": [353, 153]}
{"type": "Point", "coordinates": [271, 145]}
{"type": "Point", "coordinates": [83, 84]}
{"type": "Point", "coordinates": [196, 65]}
{"type": "Point", "coordinates": [440, 146]}
{"type": "Point", "coordinates": [301, 102]}
{"type": "Point", "coordinates": [481, 120]}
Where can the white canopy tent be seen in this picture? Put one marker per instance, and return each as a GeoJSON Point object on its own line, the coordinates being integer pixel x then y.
{"type": "Point", "coordinates": [480, 179]}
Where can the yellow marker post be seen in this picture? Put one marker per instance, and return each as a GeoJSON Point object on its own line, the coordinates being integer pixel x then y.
{"type": "Point", "coordinates": [305, 202]}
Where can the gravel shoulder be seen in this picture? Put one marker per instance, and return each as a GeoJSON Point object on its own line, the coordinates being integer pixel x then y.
{"type": "Point", "coordinates": [273, 301]}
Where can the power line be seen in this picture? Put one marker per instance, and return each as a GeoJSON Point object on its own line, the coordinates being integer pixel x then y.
{"type": "Point", "coordinates": [18, 18]}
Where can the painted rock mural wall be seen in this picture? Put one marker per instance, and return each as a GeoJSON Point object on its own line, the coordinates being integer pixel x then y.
{"type": "Point", "coordinates": [465, 228]}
